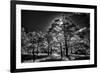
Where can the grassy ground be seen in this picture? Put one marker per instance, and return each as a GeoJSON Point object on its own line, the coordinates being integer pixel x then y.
{"type": "Point", "coordinates": [45, 58]}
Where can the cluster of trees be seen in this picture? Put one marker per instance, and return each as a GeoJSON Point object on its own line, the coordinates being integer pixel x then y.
{"type": "Point", "coordinates": [33, 41]}
{"type": "Point", "coordinates": [64, 38]}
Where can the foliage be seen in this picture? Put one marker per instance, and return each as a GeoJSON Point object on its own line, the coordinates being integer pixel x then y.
{"type": "Point", "coordinates": [62, 31]}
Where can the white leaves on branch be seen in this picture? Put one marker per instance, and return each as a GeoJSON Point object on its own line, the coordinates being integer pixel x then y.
{"type": "Point", "coordinates": [80, 30]}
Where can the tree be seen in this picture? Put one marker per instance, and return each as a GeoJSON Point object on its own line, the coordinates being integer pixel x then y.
{"type": "Point", "coordinates": [24, 41]}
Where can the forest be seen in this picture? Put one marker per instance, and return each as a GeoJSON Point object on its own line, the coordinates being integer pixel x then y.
{"type": "Point", "coordinates": [63, 41]}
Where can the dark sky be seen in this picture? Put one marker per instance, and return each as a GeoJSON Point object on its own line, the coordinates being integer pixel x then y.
{"type": "Point", "coordinates": [41, 20]}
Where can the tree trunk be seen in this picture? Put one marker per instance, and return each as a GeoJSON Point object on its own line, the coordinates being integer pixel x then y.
{"type": "Point", "coordinates": [65, 35]}
{"type": "Point", "coordinates": [33, 55]}
{"type": "Point", "coordinates": [61, 50]}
